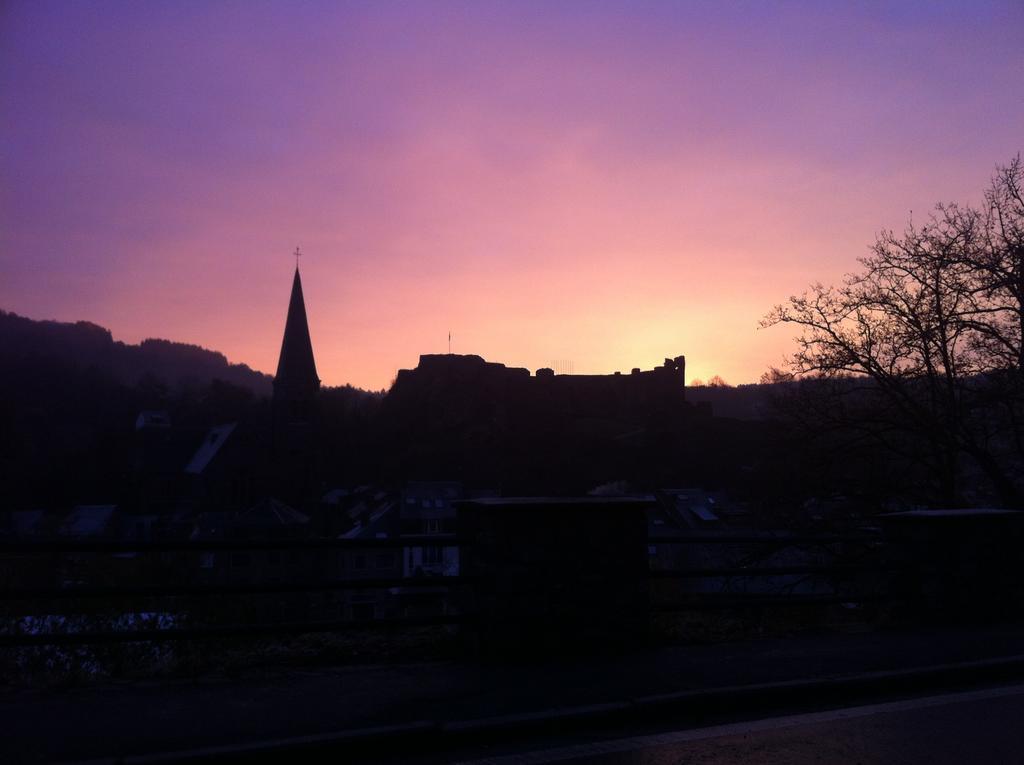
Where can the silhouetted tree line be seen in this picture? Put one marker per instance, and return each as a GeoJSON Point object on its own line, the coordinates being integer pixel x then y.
{"type": "Point", "coordinates": [919, 354]}
{"type": "Point", "coordinates": [715, 381]}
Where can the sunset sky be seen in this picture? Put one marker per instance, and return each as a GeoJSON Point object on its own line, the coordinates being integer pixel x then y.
{"type": "Point", "coordinates": [610, 183]}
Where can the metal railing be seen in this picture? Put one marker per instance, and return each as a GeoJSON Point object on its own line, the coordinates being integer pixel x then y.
{"type": "Point", "coordinates": [439, 587]}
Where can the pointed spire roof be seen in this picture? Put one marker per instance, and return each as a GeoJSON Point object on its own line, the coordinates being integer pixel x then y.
{"type": "Point", "coordinates": [295, 367]}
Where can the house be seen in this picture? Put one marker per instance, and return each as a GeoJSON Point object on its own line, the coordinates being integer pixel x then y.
{"type": "Point", "coordinates": [153, 420]}
{"type": "Point", "coordinates": [89, 522]}
{"type": "Point", "coordinates": [23, 524]}
{"type": "Point", "coordinates": [377, 519]}
{"type": "Point", "coordinates": [267, 519]}
{"type": "Point", "coordinates": [227, 469]}
{"type": "Point", "coordinates": [427, 509]}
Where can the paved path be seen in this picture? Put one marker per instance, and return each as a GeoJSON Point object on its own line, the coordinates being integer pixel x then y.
{"type": "Point", "coordinates": [137, 718]}
{"type": "Point", "coordinates": [981, 726]}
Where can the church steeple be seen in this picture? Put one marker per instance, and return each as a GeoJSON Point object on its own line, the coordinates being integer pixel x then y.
{"type": "Point", "coordinates": [295, 404]}
{"type": "Point", "coordinates": [296, 369]}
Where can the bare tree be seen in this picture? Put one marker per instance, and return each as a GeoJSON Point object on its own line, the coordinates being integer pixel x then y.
{"type": "Point", "coordinates": [927, 336]}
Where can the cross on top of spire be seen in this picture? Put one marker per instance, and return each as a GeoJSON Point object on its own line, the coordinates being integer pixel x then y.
{"type": "Point", "coordinates": [297, 256]}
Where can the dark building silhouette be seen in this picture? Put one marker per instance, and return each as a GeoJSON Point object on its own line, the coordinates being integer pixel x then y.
{"type": "Point", "coordinates": [493, 425]}
{"type": "Point", "coordinates": [296, 385]}
{"type": "Point", "coordinates": [636, 395]}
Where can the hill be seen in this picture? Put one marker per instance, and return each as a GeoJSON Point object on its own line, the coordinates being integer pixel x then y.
{"type": "Point", "coordinates": [88, 347]}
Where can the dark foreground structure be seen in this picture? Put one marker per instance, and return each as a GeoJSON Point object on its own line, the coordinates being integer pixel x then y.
{"type": "Point", "coordinates": [557, 575]}
{"type": "Point", "coordinates": [556, 626]}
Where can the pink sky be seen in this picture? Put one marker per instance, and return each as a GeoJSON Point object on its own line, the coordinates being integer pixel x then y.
{"type": "Point", "coordinates": [606, 183]}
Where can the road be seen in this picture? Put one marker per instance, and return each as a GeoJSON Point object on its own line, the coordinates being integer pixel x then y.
{"type": "Point", "coordinates": [984, 726]}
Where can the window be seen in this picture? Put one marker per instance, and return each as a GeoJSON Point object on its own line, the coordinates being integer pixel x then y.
{"type": "Point", "coordinates": [359, 561]}
{"type": "Point", "coordinates": [432, 526]}
{"type": "Point", "coordinates": [240, 559]}
{"type": "Point", "coordinates": [384, 560]}
{"type": "Point", "coordinates": [433, 556]}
